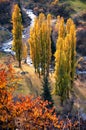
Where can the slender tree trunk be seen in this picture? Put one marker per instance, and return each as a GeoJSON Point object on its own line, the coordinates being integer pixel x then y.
{"type": "Point", "coordinates": [68, 94]}
{"type": "Point", "coordinates": [39, 74]}
{"type": "Point", "coordinates": [71, 83]}
{"type": "Point", "coordinates": [72, 78]}
{"type": "Point", "coordinates": [25, 61]}
{"type": "Point", "coordinates": [19, 63]}
{"type": "Point", "coordinates": [48, 71]}
{"type": "Point", "coordinates": [61, 102]}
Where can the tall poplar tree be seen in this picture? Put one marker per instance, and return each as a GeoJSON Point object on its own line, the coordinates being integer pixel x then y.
{"type": "Point", "coordinates": [40, 43]}
{"type": "Point", "coordinates": [34, 45]}
{"type": "Point", "coordinates": [17, 33]}
{"type": "Point", "coordinates": [65, 58]}
{"type": "Point", "coordinates": [71, 30]}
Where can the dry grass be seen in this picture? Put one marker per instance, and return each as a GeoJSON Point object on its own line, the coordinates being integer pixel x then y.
{"type": "Point", "coordinates": [29, 82]}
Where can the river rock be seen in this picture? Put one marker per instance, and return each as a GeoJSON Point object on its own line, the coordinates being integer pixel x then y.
{"type": "Point", "coordinates": [81, 40]}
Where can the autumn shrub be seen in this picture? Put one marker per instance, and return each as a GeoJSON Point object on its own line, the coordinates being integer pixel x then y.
{"type": "Point", "coordinates": [6, 75]}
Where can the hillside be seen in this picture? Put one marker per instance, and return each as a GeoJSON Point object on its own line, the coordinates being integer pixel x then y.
{"type": "Point", "coordinates": [65, 8]}
{"type": "Point", "coordinates": [42, 62]}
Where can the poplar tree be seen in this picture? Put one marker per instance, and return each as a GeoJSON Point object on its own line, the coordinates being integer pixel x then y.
{"type": "Point", "coordinates": [40, 43]}
{"type": "Point", "coordinates": [61, 75]}
{"type": "Point", "coordinates": [49, 54]}
{"type": "Point", "coordinates": [65, 58]}
{"type": "Point", "coordinates": [71, 31]}
{"type": "Point", "coordinates": [61, 30]}
{"type": "Point", "coordinates": [73, 52]}
{"type": "Point", "coordinates": [34, 45]}
{"type": "Point", "coordinates": [17, 33]}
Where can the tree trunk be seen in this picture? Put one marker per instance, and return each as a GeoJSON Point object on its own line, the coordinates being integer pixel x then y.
{"type": "Point", "coordinates": [71, 74]}
{"type": "Point", "coordinates": [48, 72]}
{"type": "Point", "coordinates": [71, 83]}
{"type": "Point", "coordinates": [61, 102]}
{"type": "Point", "coordinates": [25, 61]}
{"type": "Point", "coordinates": [19, 63]}
{"type": "Point", "coordinates": [68, 94]}
{"type": "Point", "coordinates": [39, 74]}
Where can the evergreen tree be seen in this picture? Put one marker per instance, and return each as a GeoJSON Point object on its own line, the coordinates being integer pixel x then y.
{"type": "Point", "coordinates": [46, 94]}
{"type": "Point", "coordinates": [17, 33]}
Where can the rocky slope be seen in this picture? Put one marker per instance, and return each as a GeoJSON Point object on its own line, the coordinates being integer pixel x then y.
{"type": "Point", "coordinates": [6, 8]}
